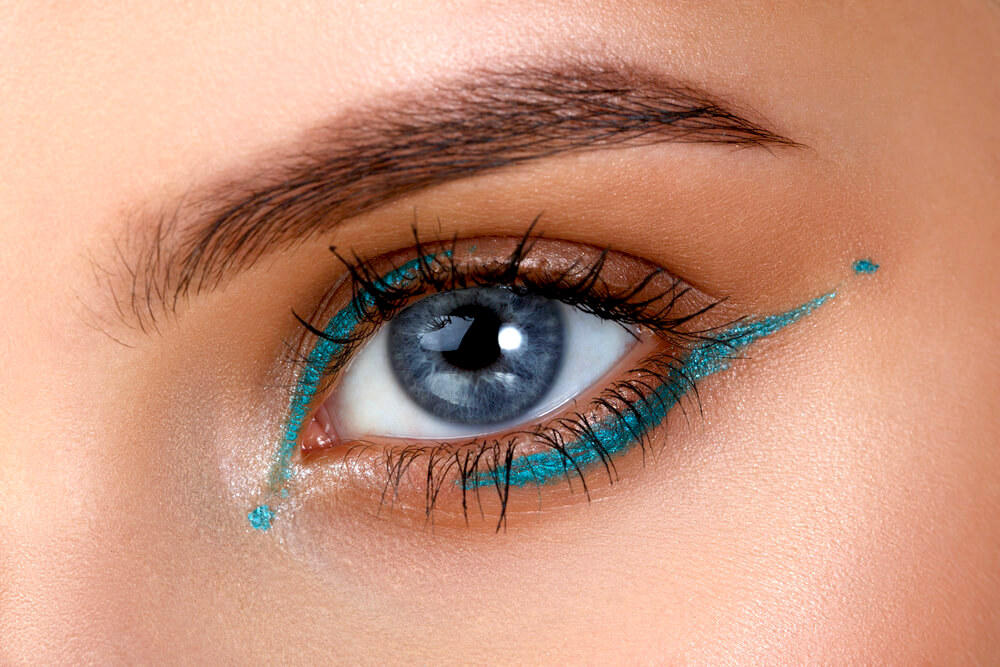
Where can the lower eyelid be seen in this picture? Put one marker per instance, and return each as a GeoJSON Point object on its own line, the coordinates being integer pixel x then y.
{"type": "Point", "coordinates": [567, 448]}
{"type": "Point", "coordinates": [485, 475]}
{"type": "Point", "coordinates": [325, 424]}
{"type": "Point", "coordinates": [619, 432]}
{"type": "Point", "coordinates": [622, 418]}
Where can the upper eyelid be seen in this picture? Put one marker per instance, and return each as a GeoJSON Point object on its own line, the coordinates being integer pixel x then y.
{"type": "Point", "coordinates": [366, 158]}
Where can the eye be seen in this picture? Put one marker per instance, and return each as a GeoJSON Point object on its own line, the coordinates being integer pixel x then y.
{"type": "Point", "coordinates": [472, 362]}
{"type": "Point", "coordinates": [445, 369]}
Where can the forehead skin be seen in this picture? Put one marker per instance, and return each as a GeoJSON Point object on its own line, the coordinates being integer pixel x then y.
{"type": "Point", "coordinates": [859, 526]}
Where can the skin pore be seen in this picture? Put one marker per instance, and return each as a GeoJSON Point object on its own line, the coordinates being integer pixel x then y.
{"type": "Point", "coordinates": [832, 498]}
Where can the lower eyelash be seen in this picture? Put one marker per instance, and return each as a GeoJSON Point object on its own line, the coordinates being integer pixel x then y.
{"type": "Point", "coordinates": [377, 296]}
{"type": "Point", "coordinates": [566, 448]}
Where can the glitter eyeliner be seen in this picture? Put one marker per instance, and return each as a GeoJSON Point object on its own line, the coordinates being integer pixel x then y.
{"type": "Point", "coordinates": [611, 435]}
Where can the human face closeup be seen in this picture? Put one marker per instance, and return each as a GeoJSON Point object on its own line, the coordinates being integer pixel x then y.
{"type": "Point", "coordinates": [522, 332]}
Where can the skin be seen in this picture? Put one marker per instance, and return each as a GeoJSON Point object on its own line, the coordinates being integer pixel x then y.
{"type": "Point", "coordinates": [836, 501]}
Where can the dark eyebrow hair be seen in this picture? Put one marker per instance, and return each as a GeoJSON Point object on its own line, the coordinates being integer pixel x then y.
{"type": "Point", "coordinates": [482, 121]}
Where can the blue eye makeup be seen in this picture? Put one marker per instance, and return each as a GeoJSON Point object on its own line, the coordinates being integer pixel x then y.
{"type": "Point", "coordinates": [500, 364]}
{"type": "Point", "coordinates": [865, 266]}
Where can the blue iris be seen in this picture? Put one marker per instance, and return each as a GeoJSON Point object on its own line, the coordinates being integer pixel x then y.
{"type": "Point", "coordinates": [482, 355]}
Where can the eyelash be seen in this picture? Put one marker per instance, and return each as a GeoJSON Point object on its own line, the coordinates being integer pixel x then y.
{"type": "Point", "coordinates": [570, 443]}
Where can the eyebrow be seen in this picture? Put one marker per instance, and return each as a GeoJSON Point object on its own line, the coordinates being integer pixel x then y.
{"type": "Point", "coordinates": [482, 121]}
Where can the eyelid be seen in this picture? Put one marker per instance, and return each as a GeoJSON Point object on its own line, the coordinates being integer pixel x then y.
{"type": "Point", "coordinates": [643, 293]}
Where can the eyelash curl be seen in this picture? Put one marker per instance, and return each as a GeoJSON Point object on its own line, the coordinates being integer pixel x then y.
{"type": "Point", "coordinates": [564, 447]}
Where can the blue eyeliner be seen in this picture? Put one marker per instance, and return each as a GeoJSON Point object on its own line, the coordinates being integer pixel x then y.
{"type": "Point", "coordinates": [612, 435]}
{"type": "Point", "coordinates": [615, 434]}
{"type": "Point", "coordinates": [260, 517]}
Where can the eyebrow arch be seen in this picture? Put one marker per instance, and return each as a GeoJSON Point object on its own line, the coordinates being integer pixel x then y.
{"type": "Point", "coordinates": [482, 121]}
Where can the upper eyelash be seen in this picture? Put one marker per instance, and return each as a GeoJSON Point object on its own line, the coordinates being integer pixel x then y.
{"type": "Point", "coordinates": [437, 271]}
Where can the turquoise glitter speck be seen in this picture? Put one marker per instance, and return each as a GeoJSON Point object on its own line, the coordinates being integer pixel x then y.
{"type": "Point", "coordinates": [865, 266]}
{"type": "Point", "coordinates": [260, 517]}
{"type": "Point", "coordinates": [616, 434]}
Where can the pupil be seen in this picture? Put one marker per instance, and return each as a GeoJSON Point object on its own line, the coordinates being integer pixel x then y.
{"type": "Point", "coordinates": [480, 346]}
